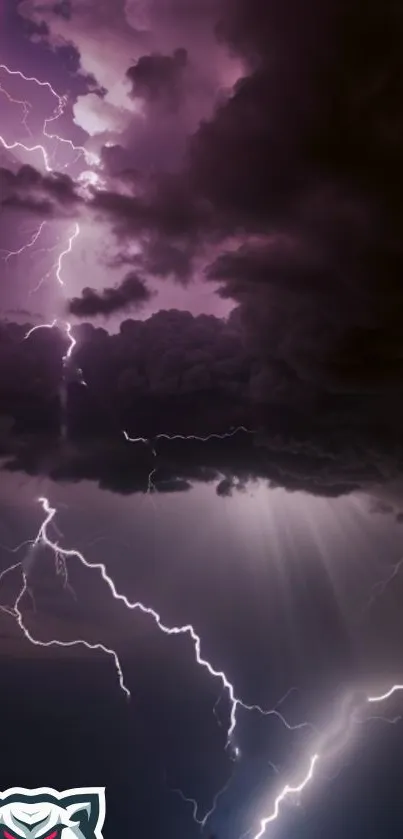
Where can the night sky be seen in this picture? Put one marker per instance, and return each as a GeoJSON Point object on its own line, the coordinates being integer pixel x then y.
{"type": "Point", "coordinates": [201, 412]}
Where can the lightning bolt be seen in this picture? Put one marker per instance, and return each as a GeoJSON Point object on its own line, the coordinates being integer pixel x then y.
{"type": "Point", "coordinates": [379, 588]}
{"type": "Point", "coordinates": [26, 106]}
{"type": "Point", "coordinates": [195, 807]}
{"type": "Point", "coordinates": [27, 245]}
{"type": "Point", "coordinates": [54, 322]}
{"type": "Point", "coordinates": [285, 792]}
{"type": "Point", "coordinates": [62, 556]}
{"type": "Point", "coordinates": [90, 158]}
{"type": "Point", "coordinates": [203, 439]}
{"type": "Point", "coordinates": [384, 696]}
{"type": "Point", "coordinates": [290, 790]}
{"type": "Point", "coordinates": [57, 266]}
{"type": "Point", "coordinates": [64, 253]}
{"type": "Point", "coordinates": [43, 538]}
{"type": "Point", "coordinates": [16, 145]}
{"type": "Point", "coordinates": [39, 326]}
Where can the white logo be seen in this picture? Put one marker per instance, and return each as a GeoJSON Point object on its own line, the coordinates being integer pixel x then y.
{"type": "Point", "coordinates": [45, 813]}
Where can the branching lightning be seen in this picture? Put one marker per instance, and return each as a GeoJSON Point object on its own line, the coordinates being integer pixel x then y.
{"type": "Point", "coordinates": [90, 158]}
{"type": "Point", "coordinates": [26, 106]}
{"type": "Point", "coordinates": [27, 245]}
{"type": "Point", "coordinates": [321, 754]}
{"type": "Point", "coordinates": [44, 539]}
{"type": "Point", "coordinates": [62, 556]}
{"type": "Point", "coordinates": [37, 147]}
{"type": "Point", "coordinates": [285, 793]}
{"type": "Point", "coordinates": [379, 588]}
{"type": "Point", "coordinates": [195, 807]}
{"type": "Point", "coordinates": [153, 446]}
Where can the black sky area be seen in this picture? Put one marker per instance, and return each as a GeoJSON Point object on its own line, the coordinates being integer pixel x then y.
{"type": "Point", "coordinates": [201, 366]}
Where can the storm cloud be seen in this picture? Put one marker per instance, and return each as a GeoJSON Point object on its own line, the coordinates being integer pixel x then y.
{"type": "Point", "coordinates": [45, 195]}
{"type": "Point", "coordinates": [131, 293]}
{"type": "Point", "coordinates": [175, 374]}
{"type": "Point", "coordinates": [290, 196]}
{"type": "Point", "coordinates": [159, 77]}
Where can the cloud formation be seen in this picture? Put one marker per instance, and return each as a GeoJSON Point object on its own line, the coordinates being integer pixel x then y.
{"type": "Point", "coordinates": [111, 38]}
{"type": "Point", "coordinates": [131, 293]}
{"type": "Point", "coordinates": [48, 195]}
{"type": "Point", "coordinates": [178, 374]}
{"type": "Point", "coordinates": [159, 77]}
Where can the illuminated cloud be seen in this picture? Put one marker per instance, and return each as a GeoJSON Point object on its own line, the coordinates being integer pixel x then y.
{"type": "Point", "coordinates": [101, 116]}
{"type": "Point", "coordinates": [110, 38]}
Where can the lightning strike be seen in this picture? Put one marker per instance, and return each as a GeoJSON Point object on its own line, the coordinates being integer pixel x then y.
{"type": "Point", "coordinates": [223, 436]}
{"type": "Point", "coordinates": [91, 158]}
{"type": "Point", "coordinates": [27, 245]}
{"type": "Point", "coordinates": [148, 442]}
{"type": "Point", "coordinates": [285, 793]}
{"type": "Point", "coordinates": [384, 696]}
{"type": "Point", "coordinates": [54, 642]}
{"type": "Point", "coordinates": [379, 588]}
{"type": "Point", "coordinates": [58, 270]}
{"type": "Point", "coordinates": [323, 753]}
{"type": "Point", "coordinates": [42, 539]}
{"type": "Point", "coordinates": [16, 145]}
{"type": "Point", "coordinates": [65, 554]}
{"type": "Point", "coordinates": [65, 252]}
{"type": "Point", "coordinates": [62, 555]}
{"type": "Point", "coordinates": [164, 436]}
{"type": "Point", "coordinates": [195, 807]}
{"type": "Point", "coordinates": [40, 326]}
{"type": "Point", "coordinates": [26, 106]}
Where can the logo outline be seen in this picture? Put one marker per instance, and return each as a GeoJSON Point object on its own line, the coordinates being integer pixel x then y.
{"type": "Point", "coordinates": [74, 800]}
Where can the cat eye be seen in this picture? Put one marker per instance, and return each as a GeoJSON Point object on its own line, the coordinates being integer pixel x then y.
{"type": "Point", "coordinates": [54, 834]}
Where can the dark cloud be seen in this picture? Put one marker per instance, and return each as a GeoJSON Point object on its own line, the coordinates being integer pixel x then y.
{"type": "Point", "coordinates": [379, 506]}
{"type": "Point", "coordinates": [123, 467]}
{"type": "Point", "coordinates": [159, 77]}
{"type": "Point", "coordinates": [225, 487]}
{"type": "Point", "coordinates": [131, 293]}
{"type": "Point", "coordinates": [166, 205]}
{"type": "Point", "coordinates": [46, 195]}
{"type": "Point", "coordinates": [303, 165]}
{"type": "Point", "coordinates": [180, 375]}
{"type": "Point", "coordinates": [158, 257]}
{"type": "Point", "coordinates": [63, 9]}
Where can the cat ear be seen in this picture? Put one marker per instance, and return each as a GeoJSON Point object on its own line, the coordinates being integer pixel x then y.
{"type": "Point", "coordinates": [78, 807]}
{"type": "Point", "coordinates": [86, 805]}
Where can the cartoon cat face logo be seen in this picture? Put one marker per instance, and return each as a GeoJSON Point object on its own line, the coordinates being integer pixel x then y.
{"type": "Point", "coordinates": [48, 814]}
